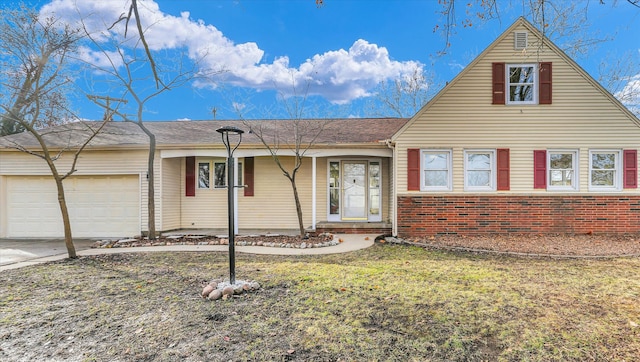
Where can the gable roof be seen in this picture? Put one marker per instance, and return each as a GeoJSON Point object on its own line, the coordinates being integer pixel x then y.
{"type": "Point", "coordinates": [347, 131]}
{"type": "Point", "coordinates": [520, 22]}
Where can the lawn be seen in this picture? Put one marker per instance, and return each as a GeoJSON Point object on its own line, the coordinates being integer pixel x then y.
{"type": "Point", "coordinates": [385, 303]}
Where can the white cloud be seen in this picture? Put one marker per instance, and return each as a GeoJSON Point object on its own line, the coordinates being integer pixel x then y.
{"type": "Point", "coordinates": [337, 75]}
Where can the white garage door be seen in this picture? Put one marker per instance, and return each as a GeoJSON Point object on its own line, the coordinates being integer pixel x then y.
{"type": "Point", "coordinates": [99, 206]}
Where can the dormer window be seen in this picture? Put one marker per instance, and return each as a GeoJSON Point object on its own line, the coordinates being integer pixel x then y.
{"type": "Point", "coordinates": [522, 84]}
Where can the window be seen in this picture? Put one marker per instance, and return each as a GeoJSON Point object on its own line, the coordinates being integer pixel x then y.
{"type": "Point", "coordinates": [219, 173]}
{"type": "Point", "coordinates": [521, 84]}
{"type": "Point", "coordinates": [604, 170]}
{"type": "Point", "coordinates": [436, 170]}
{"type": "Point", "coordinates": [479, 170]}
{"type": "Point", "coordinates": [562, 166]}
{"type": "Point", "coordinates": [204, 175]}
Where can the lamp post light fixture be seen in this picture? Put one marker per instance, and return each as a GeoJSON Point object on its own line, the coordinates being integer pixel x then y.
{"type": "Point", "coordinates": [225, 132]}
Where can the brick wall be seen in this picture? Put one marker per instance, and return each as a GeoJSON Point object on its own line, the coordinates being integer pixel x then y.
{"type": "Point", "coordinates": [473, 215]}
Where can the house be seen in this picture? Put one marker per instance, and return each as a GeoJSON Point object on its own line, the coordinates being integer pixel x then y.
{"type": "Point", "coordinates": [523, 140]}
{"type": "Point", "coordinates": [344, 181]}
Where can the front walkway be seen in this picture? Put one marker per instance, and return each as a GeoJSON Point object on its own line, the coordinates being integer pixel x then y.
{"type": "Point", "coordinates": [350, 242]}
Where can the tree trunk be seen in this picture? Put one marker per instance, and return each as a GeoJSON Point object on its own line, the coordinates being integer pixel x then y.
{"type": "Point", "coordinates": [68, 240]}
{"type": "Point", "coordinates": [151, 203]}
{"type": "Point", "coordinates": [298, 206]}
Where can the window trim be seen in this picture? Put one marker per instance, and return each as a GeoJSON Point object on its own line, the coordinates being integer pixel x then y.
{"type": "Point", "coordinates": [449, 185]}
{"type": "Point", "coordinates": [492, 169]}
{"type": "Point", "coordinates": [507, 83]}
{"type": "Point", "coordinates": [576, 172]}
{"type": "Point", "coordinates": [617, 181]}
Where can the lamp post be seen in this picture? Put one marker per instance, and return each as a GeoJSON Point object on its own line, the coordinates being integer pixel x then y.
{"type": "Point", "coordinates": [225, 132]}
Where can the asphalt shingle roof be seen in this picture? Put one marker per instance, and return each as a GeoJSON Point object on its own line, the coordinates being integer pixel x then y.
{"type": "Point", "coordinates": [201, 133]}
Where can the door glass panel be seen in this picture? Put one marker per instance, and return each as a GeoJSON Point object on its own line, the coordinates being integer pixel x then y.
{"type": "Point", "coordinates": [374, 188]}
{"type": "Point", "coordinates": [354, 195]}
{"type": "Point", "coordinates": [334, 188]}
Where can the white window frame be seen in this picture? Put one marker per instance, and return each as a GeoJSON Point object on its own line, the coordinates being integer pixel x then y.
{"type": "Point", "coordinates": [492, 170]}
{"type": "Point", "coordinates": [508, 83]}
{"type": "Point", "coordinates": [576, 172]}
{"type": "Point", "coordinates": [617, 179]}
{"type": "Point", "coordinates": [449, 169]}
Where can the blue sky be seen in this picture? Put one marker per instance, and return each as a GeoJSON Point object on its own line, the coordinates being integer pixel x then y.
{"type": "Point", "coordinates": [344, 48]}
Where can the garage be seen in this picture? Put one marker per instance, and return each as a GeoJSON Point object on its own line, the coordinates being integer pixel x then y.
{"type": "Point", "coordinates": [99, 206]}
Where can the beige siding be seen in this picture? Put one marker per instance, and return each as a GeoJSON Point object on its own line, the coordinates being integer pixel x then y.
{"type": "Point", "coordinates": [3, 206]}
{"type": "Point", "coordinates": [322, 196]}
{"type": "Point", "coordinates": [208, 209]}
{"type": "Point", "coordinates": [171, 208]}
{"type": "Point", "coordinates": [580, 118]}
{"type": "Point", "coordinates": [273, 205]}
{"type": "Point", "coordinates": [89, 163]}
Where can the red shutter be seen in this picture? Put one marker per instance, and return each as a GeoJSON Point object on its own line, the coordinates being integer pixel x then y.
{"type": "Point", "coordinates": [498, 78]}
{"type": "Point", "coordinates": [190, 176]}
{"type": "Point", "coordinates": [540, 169]}
{"type": "Point", "coordinates": [248, 176]}
{"type": "Point", "coordinates": [544, 81]}
{"type": "Point", "coordinates": [413, 169]}
{"type": "Point", "coordinates": [503, 169]}
{"type": "Point", "coordinates": [630, 166]}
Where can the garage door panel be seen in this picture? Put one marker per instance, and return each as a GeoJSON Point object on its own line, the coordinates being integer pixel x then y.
{"type": "Point", "coordinates": [99, 206]}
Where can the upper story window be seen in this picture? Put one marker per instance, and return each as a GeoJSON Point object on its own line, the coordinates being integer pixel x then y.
{"type": "Point", "coordinates": [479, 170]}
{"type": "Point", "coordinates": [605, 171]}
{"type": "Point", "coordinates": [436, 170]}
{"type": "Point", "coordinates": [522, 84]}
{"type": "Point", "coordinates": [562, 170]}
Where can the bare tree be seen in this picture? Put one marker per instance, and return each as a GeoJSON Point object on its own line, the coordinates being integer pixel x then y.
{"type": "Point", "coordinates": [559, 20]}
{"type": "Point", "coordinates": [130, 70]}
{"type": "Point", "coordinates": [403, 97]}
{"type": "Point", "coordinates": [290, 138]}
{"type": "Point", "coordinates": [35, 54]}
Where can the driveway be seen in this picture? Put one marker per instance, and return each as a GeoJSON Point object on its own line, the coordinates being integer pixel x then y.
{"type": "Point", "coordinates": [19, 250]}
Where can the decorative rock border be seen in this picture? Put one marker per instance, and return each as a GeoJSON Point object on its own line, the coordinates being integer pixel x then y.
{"type": "Point", "coordinates": [267, 240]}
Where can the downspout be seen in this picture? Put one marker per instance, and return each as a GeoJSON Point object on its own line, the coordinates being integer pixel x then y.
{"type": "Point", "coordinates": [394, 183]}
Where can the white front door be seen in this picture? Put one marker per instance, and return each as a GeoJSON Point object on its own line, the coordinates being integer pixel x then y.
{"type": "Point", "coordinates": [354, 195]}
{"type": "Point", "coordinates": [354, 190]}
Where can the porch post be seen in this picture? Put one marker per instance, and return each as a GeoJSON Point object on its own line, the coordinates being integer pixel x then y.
{"type": "Point", "coordinates": [313, 192]}
{"type": "Point", "coordinates": [235, 194]}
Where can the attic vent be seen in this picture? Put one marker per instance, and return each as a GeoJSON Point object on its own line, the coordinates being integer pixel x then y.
{"type": "Point", "coordinates": [520, 40]}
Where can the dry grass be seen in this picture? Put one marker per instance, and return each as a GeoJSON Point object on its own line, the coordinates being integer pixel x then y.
{"type": "Point", "coordinates": [385, 303]}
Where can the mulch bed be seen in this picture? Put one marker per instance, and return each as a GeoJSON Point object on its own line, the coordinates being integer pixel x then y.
{"type": "Point", "coordinates": [569, 245]}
